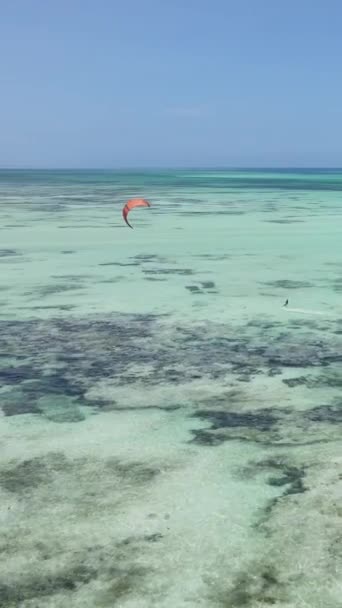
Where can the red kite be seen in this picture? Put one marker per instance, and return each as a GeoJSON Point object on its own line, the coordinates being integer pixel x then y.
{"type": "Point", "coordinates": [134, 202]}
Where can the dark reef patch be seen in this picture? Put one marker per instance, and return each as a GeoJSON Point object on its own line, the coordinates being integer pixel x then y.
{"type": "Point", "coordinates": [198, 213]}
{"type": "Point", "coordinates": [261, 585]}
{"type": "Point", "coordinates": [299, 381]}
{"type": "Point", "coordinates": [63, 307]}
{"type": "Point", "coordinates": [206, 438]}
{"type": "Point", "coordinates": [263, 420]}
{"type": "Point", "coordinates": [337, 285]}
{"type": "Point", "coordinates": [15, 374]}
{"type": "Point", "coordinates": [73, 277]}
{"type": "Point", "coordinates": [274, 371]}
{"type": "Point", "coordinates": [284, 221]}
{"type": "Point", "coordinates": [26, 475]}
{"type": "Point", "coordinates": [38, 586]}
{"type": "Point", "coordinates": [176, 271]}
{"type": "Point", "coordinates": [227, 426]}
{"type": "Point", "coordinates": [288, 475]}
{"type": "Point", "coordinates": [153, 538]}
{"type": "Point", "coordinates": [287, 284]}
{"type": "Point", "coordinates": [213, 257]}
{"type": "Point", "coordinates": [202, 288]}
{"type": "Point", "coordinates": [19, 408]}
{"type": "Point", "coordinates": [133, 472]}
{"type": "Point", "coordinates": [68, 356]}
{"type": "Point", "coordinates": [51, 290]}
{"type": "Point", "coordinates": [193, 288]}
{"type": "Point", "coordinates": [307, 323]}
{"type": "Point", "coordinates": [115, 279]}
{"type": "Point", "coordinates": [109, 406]}
{"type": "Point", "coordinates": [5, 253]}
{"type": "Point", "coordinates": [326, 413]}
{"type": "Point", "coordinates": [149, 258]}
{"type": "Point", "coordinates": [331, 378]}
{"type": "Point", "coordinates": [119, 264]}
{"type": "Point", "coordinates": [123, 583]}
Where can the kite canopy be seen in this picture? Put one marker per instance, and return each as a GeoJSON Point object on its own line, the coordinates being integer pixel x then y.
{"type": "Point", "coordinates": [134, 202]}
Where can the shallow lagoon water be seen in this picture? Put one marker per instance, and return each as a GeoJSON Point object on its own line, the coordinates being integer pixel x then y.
{"type": "Point", "coordinates": [170, 433]}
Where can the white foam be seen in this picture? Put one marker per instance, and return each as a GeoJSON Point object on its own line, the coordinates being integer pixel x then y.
{"type": "Point", "coordinates": [306, 311]}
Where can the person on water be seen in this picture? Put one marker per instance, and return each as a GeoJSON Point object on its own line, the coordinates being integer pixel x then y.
{"type": "Point", "coordinates": [286, 303]}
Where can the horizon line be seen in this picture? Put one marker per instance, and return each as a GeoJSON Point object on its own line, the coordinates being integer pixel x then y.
{"type": "Point", "coordinates": [176, 168]}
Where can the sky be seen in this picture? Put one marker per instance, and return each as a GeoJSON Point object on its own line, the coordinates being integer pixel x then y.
{"type": "Point", "coordinates": [170, 83]}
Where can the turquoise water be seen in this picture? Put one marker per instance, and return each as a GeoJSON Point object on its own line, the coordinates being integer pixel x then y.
{"type": "Point", "coordinates": [170, 432]}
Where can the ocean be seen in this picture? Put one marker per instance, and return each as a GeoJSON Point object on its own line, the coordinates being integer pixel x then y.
{"type": "Point", "coordinates": [170, 432]}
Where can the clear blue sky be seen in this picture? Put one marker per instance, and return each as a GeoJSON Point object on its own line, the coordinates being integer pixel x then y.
{"type": "Point", "coordinates": [113, 83]}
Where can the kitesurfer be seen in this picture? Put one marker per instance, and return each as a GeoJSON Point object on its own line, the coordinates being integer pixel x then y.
{"type": "Point", "coordinates": [134, 202]}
